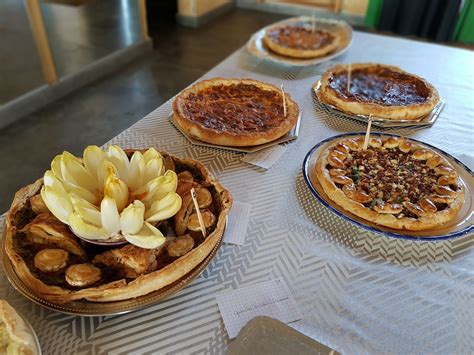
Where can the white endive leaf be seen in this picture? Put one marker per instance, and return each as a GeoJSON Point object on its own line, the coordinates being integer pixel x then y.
{"type": "Point", "coordinates": [103, 171]}
{"type": "Point", "coordinates": [116, 189]}
{"type": "Point", "coordinates": [148, 237]}
{"type": "Point", "coordinates": [110, 217]}
{"type": "Point", "coordinates": [74, 172]}
{"type": "Point", "coordinates": [153, 169]}
{"type": "Point", "coordinates": [131, 218]}
{"type": "Point", "coordinates": [136, 171]}
{"type": "Point", "coordinates": [50, 180]}
{"type": "Point", "coordinates": [78, 201]}
{"type": "Point", "coordinates": [58, 203]}
{"type": "Point", "coordinates": [160, 187]}
{"type": "Point", "coordinates": [56, 166]}
{"type": "Point", "coordinates": [92, 158]}
{"type": "Point", "coordinates": [165, 208]}
{"type": "Point", "coordinates": [86, 230]}
{"type": "Point", "coordinates": [89, 215]}
{"type": "Point", "coordinates": [150, 154]}
{"type": "Point", "coordinates": [80, 192]}
{"type": "Point", "coordinates": [117, 156]}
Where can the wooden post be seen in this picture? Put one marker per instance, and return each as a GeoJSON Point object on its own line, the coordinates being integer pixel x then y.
{"type": "Point", "coordinates": [39, 33]}
{"type": "Point", "coordinates": [143, 20]}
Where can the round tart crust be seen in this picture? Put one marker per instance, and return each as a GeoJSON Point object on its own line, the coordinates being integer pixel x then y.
{"type": "Point", "coordinates": [350, 105]}
{"type": "Point", "coordinates": [336, 194]}
{"type": "Point", "coordinates": [121, 289]}
{"type": "Point", "coordinates": [229, 137]}
{"type": "Point", "coordinates": [301, 53]}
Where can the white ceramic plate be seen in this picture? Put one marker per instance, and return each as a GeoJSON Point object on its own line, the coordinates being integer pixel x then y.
{"type": "Point", "coordinates": [257, 48]}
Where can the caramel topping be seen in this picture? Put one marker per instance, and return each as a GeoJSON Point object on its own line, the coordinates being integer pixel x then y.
{"type": "Point", "coordinates": [390, 176]}
{"type": "Point", "coordinates": [299, 37]}
{"type": "Point", "coordinates": [239, 108]}
{"type": "Point", "coordinates": [380, 85]}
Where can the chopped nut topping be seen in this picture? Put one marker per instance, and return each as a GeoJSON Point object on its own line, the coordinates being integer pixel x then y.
{"type": "Point", "coordinates": [394, 176]}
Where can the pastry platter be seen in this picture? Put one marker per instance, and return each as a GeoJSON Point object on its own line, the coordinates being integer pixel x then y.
{"type": "Point", "coordinates": [168, 213]}
{"type": "Point", "coordinates": [461, 224]}
{"type": "Point", "coordinates": [259, 49]}
{"type": "Point", "coordinates": [89, 309]}
{"type": "Point", "coordinates": [426, 121]}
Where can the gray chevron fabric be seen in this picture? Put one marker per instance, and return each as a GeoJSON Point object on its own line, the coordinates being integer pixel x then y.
{"type": "Point", "coordinates": [359, 292]}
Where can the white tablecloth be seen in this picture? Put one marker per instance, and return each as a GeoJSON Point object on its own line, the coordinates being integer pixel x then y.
{"type": "Point", "coordinates": [359, 292]}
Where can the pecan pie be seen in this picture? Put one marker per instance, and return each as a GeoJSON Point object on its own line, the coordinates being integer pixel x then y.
{"type": "Point", "coordinates": [234, 112]}
{"type": "Point", "coordinates": [59, 267]}
{"type": "Point", "coordinates": [381, 90]}
{"type": "Point", "coordinates": [395, 182]}
{"type": "Point", "coordinates": [299, 40]}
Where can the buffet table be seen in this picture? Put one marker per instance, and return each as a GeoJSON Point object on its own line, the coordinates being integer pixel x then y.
{"type": "Point", "coordinates": [359, 292]}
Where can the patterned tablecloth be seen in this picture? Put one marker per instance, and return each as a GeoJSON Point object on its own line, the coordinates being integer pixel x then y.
{"type": "Point", "coordinates": [359, 292]}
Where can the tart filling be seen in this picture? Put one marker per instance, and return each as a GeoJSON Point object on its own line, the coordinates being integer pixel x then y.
{"type": "Point", "coordinates": [380, 85]}
{"type": "Point", "coordinates": [299, 37]}
{"type": "Point", "coordinates": [394, 182]}
{"type": "Point", "coordinates": [237, 108]}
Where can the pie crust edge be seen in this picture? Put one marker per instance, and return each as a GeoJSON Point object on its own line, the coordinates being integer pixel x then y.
{"type": "Point", "coordinates": [224, 138]}
{"type": "Point", "coordinates": [300, 53]}
{"type": "Point", "coordinates": [393, 112]}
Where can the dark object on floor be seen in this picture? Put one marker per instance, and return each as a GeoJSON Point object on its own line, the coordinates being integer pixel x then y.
{"type": "Point", "coordinates": [433, 19]}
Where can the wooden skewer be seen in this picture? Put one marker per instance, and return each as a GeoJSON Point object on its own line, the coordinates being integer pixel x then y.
{"type": "Point", "coordinates": [349, 73]}
{"type": "Point", "coordinates": [198, 211]}
{"type": "Point", "coordinates": [284, 100]}
{"type": "Point", "coordinates": [367, 134]}
{"type": "Point", "coordinates": [313, 23]}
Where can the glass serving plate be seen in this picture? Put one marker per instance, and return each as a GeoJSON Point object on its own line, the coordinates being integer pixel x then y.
{"type": "Point", "coordinates": [257, 47]}
{"type": "Point", "coordinates": [461, 225]}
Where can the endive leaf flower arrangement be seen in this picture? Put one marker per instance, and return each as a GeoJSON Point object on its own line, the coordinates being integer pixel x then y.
{"type": "Point", "coordinates": [107, 196]}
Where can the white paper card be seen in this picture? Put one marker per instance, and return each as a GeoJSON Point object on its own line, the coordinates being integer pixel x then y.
{"type": "Point", "coordinates": [265, 158]}
{"type": "Point", "coordinates": [237, 224]}
{"type": "Point", "coordinates": [270, 298]}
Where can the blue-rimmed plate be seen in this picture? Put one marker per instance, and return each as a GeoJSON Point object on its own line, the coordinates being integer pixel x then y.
{"type": "Point", "coordinates": [459, 226]}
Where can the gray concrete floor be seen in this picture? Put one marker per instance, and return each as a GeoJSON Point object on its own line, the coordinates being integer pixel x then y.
{"type": "Point", "coordinates": [78, 35]}
{"type": "Point", "coordinates": [100, 111]}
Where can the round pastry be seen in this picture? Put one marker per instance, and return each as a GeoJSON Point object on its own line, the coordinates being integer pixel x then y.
{"type": "Point", "coordinates": [234, 112]}
{"type": "Point", "coordinates": [50, 260]}
{"type": "Point", "coordinates": [207, 217]}
{"type": "Point", "coordinates": [395, 182]}
{"type": "Point", "coordinates": [180, 246]}
{"type": "Point", "coordinates": [117, 272]}
{"type": "Point", "coordinates": [299, 40]}
{"type": "Point", "coordinates": [383, 91]}
{"type": "Point", "coordinates": [82, 275]}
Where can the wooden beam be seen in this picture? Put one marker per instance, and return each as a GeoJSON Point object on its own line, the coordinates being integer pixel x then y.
{"type": "Point", "coordinates": [39, 33]}
{"type": "Point", "coordinates": [143, 19]}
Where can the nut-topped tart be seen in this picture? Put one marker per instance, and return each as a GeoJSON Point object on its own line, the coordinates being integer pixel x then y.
{"type": "Point", "coordinates": [235, 112]}
{"type": "Point", "coordinates": [114, 225]}
{"type": "Point", "coordinates": [383, 91]}
{"type": "Point", "coordinates": [395, 182]}
{"type": "Point", "coordinates": [300, 40]}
